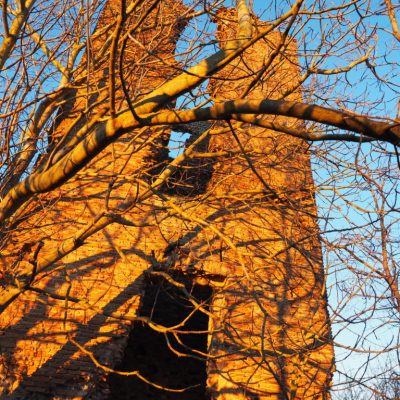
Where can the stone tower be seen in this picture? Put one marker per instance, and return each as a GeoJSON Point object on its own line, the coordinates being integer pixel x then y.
{"type": "Point", "coordinates": [275, 334]}
{"type": "Point", "coordinates": [107, 272]}
{"type": "Point", "coordinates": [241, 244]}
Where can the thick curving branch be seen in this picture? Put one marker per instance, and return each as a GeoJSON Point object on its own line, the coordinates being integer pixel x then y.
{"type": "Point", "coordinates": [109, 130]}
{"type": "Point", "coordinates": [12, 34]}
{"type": "Point", "coordinates": [238, 109]}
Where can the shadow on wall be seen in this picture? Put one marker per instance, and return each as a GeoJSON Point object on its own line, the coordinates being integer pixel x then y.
{"type": "Point", "coordinates": [167, 359]}
{"type": "Point", "coordinates": [67, 373]}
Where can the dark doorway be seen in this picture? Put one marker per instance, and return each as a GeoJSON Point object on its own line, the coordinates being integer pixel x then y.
{"type": "Point", "coordinates": [148, 351]}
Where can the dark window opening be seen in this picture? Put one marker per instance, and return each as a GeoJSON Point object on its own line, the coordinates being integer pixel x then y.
{"type": "Point", "coordinates": [148, 352]}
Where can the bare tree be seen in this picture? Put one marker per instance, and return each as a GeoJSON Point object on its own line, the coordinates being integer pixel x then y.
{"type": "Point", "coordinates": [101, 200]}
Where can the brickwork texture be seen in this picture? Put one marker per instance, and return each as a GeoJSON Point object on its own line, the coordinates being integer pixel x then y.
{"type": "Point", "coordinates": [245, 225]}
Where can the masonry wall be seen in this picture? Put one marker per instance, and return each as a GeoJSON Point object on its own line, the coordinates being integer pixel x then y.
{"type": "Point", "coordinates": [107, 272]}
{"type": "Point", "coordinates": [273, 306]}
{"type": "Point", "coordinates": [248, 230]}
{"type": "Point", "coordinates": [270, 327]}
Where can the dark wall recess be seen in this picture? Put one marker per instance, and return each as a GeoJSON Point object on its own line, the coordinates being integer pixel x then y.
{"type": "Point", "coordinates": [148, 352]}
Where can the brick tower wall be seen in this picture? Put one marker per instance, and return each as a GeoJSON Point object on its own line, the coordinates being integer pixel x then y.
{"type": "Point", "coordinates": [247, 228]}
{"type": "Point", "coordinates": [274, 325]}
{"type": "Point", "coordinates": [107, 272]}
{"type": "Point", "coordinates": [271, 332]}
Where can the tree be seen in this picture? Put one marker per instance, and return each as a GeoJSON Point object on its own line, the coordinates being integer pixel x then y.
{"type": "Point", "coordinates": [91, 93]}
